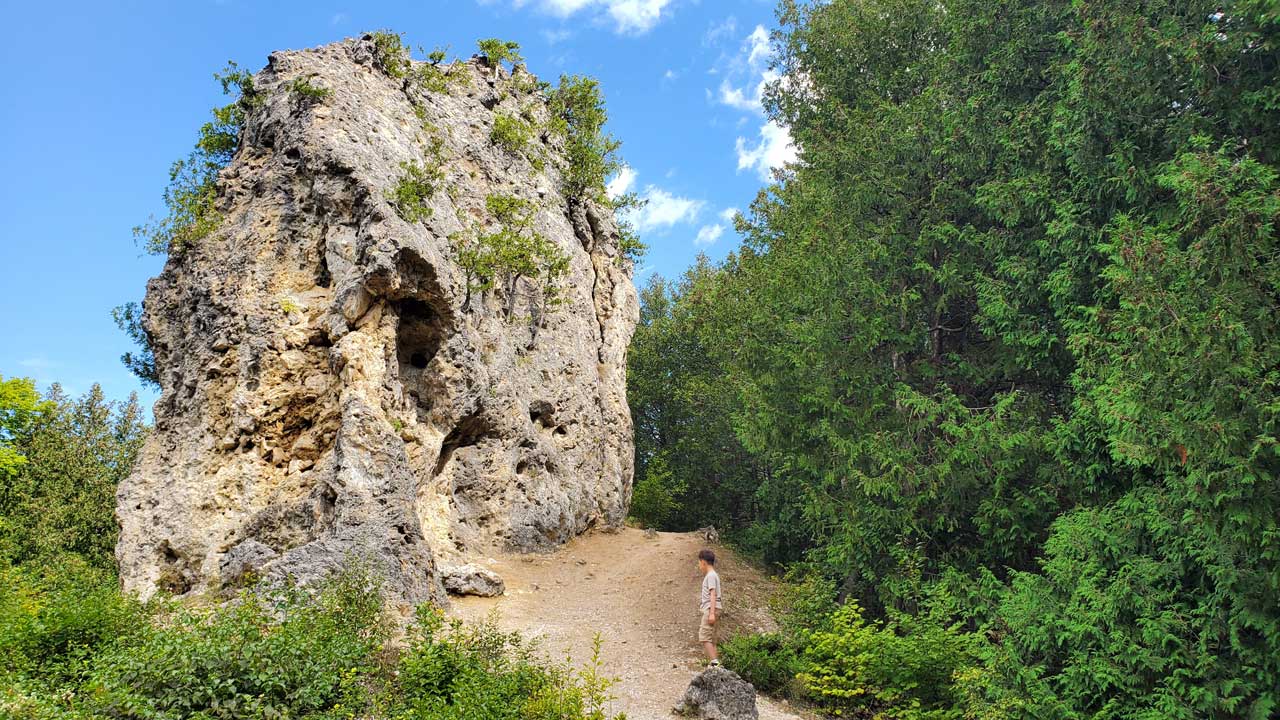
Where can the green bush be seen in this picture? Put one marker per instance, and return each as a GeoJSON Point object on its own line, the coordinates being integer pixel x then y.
{"type": "Point", "coordinates": [390, 52]}
{"type": "Point", "coordinates": [898, 672]}
{"type": "Point", "coordinates": [478, 672]}
{"type": "Point", "coordinates": [512, 251]}
{"type": "Point", "coordinates": [577, 110]}
{"type": "Point", "coordinates": [418, 183]}
{"type": "Point", "coordinates": [55, 618]}
{"type": "Point", "coordinates": [497, 51]}
{"type": "Point", "coordinates": [655, 499]}
{"type": "Point", "coordinates": [303, 88]}
{"type": "Point", "coordinates": [272, 653]}
{"type": "Point", "coordinates": [192, 191]}
{"type": "Point", "coordinates": [769, 661]}
{"type": "Point", "coordinates": [511, 133]}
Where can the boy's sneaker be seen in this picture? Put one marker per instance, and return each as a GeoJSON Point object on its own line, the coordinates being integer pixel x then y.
{"type": "Point", "coordinates": [715, 663]}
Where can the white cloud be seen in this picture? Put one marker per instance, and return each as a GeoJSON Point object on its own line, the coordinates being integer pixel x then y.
{"type": "Point", "coordinates": [636, 15]}
{"type": "Point", "coordinates": [720, 30]}
{"type": "Point", "coordinates": [670, 75]}
{"type": "Point", "coordinates": [708, 234]}
{"type": "Point", "coordinates": [629, 16]}
{"type": "Point", "coordinates": [662, 210]}
{"type": "Point", "coordinates": [728, 214]}
{"type": "Point", "coordinates": [338, 18]}
{"type": "Point", "coordinates": [774, 150]}
{"type": "Point", "coordinates": [759, 53]}
{"type": "Point", "coordinates": [621, 182]}
{"type": "Point", "coordinates": [747, 74]}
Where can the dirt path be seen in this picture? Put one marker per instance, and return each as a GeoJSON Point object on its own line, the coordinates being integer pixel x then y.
{"type": "Point", "coordinates": [640, 594]}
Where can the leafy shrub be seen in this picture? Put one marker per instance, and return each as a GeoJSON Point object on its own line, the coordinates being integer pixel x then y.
{"type": "Point", "coordinates": [630, 246]}
{"type": "Point", "coordinates": [390, 53]}
{"type": "Point", "coordinates": [478, 672]}
{"type": "Point", "coordinates": [54, 618]}
{"type": "Point", "coordinates": [511, 133]}
{"type": "Point", "coordinates": [273, 653]}
{"type": "Point", "coordinates": [899, 672]}
{"type": "Point", "coordinates": [303, 88]}
{"type": "Point", "coordinates": [655, 499]}
{"type": "Point", "coordinates": [418, 183]}
{"type": "Point", "coordinates": [512, 251]}
{"type": "Point", "coordinates": [578, 113]}
{"type": "Point", "coordinates": [497, 51]}
{"type": "Point", "coordinates": [770, 661]}
{"type": "Point", "coordinates": [190, 196]}
{"type": "Point", "coordinates": [142, 362]}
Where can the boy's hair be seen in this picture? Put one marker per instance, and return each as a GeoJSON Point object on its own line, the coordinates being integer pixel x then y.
{"type": "Point", "coordinates": [708, 555]}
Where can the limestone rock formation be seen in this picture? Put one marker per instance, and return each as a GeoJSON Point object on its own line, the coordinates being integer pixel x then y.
{"type": "Point", "coordinates": [719, 694]}
{"type": "Point", "coordinates": [330, 388]}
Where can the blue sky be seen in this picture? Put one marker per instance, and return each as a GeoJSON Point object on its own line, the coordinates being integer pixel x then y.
{"type": "Point", "coordinates": [100, 98]}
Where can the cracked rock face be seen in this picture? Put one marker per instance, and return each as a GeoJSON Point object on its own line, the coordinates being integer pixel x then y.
{"type": "Point", "coordinates": [328, 391]}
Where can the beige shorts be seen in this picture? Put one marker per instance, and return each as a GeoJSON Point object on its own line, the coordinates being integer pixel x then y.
{"type": "Point", "coordinates": [707, 631]}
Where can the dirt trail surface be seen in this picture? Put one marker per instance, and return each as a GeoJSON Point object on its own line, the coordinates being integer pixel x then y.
{"type": "Point", "coordinates": [641, 595]}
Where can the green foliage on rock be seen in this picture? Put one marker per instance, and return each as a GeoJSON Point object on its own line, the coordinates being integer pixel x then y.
{"type": "Point", "coordinates": [391, 53]}
{"type": "Point", "coordinates": [413, 191]}
{"type": "Point", "coordinates": [630, 246]}
{"type": "Point", "coordinates": [511, 133]}
{"type": "Point", "coordinates": [510, 250]}
{"type": "Point", "coordinates": [496, 52]}
{"type": "Point", "coordinates": [578, 114]}
{"type": "Point", "coordinates": [307, 91]}
{"type": "Point", "coordinates": [191, 195]}
{"type": "Point", "coordinates": [142, 363]}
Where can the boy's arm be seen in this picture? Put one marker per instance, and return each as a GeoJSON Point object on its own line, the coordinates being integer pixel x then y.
{"type": "Point", "coordinates": [711, 612]}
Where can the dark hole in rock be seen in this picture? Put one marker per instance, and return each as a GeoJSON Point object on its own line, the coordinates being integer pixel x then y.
{"type": "Point", "coordinates": [561, 430]}
{"type": "Point", "coordinates": [418, 338]}
{"type": "Point", "coordinates": [542, 413]}
{"type": "Point", "coordinates": [521, 467]}
{"type": "Point", "coordinates": [469, 431]}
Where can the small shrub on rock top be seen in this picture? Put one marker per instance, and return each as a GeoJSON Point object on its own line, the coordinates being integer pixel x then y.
{"type": "Point", "coordinates": [496, 52]}
{"type": "Point", "coordinates": [390, 52]}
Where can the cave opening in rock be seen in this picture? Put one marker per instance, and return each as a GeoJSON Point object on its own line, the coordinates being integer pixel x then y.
{"type": "Point", "coordinates": [418, 337]}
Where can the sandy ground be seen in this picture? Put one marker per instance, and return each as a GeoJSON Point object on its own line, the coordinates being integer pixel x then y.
{"type": "Point", "coordinates": [641, 595]}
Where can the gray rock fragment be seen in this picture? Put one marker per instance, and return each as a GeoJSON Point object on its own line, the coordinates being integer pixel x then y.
{"type": "Point", "coordinates": [471, 579]}
{"type": "Point", "coordinates": [719, 694]}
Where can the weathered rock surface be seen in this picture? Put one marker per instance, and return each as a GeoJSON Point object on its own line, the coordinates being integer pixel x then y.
{"type": "Point", "coordinates": [471, 579]}
{"type": "Point", "coordinates": [719, 694]}
{"type": "Point", "coordinates": [325, 391]}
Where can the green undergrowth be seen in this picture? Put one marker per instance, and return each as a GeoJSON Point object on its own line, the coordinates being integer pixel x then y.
{"type": "Point", "coordinates": [74, 647]}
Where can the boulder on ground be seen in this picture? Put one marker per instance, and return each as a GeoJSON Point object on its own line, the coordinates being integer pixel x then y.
{"type": "Point", "coordinates": [472, 580]}
{"type": "Point", "coordinates": [719, 694]}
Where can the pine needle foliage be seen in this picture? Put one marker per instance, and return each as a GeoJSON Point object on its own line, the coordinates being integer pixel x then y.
{"type": "Point", "coordinates": [1006, 340]}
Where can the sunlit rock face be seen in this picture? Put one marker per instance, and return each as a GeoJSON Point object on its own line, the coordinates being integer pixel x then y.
{"type": "Point", "coordinates": [330, 393]}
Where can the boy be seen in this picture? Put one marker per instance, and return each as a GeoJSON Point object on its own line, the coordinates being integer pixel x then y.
{"type": "Point", "coordinates": [710, 603]}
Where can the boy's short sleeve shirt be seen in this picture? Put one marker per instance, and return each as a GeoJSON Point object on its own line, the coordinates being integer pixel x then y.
{"type": "Point", "coordinates": [711, 581]}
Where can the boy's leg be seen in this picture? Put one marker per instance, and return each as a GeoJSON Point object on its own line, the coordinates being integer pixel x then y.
{"type": "Point", "coordinates": [707, 636]}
